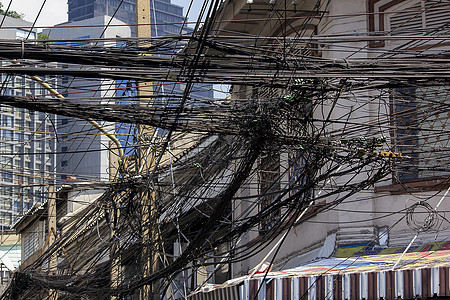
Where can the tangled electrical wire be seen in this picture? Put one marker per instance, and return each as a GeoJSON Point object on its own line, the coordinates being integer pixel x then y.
{"type": "Point", "coordinates": [421, 223]}
{"type": "Point", "coordinates": [297, 130]}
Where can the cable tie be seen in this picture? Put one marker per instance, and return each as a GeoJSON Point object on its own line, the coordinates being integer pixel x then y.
{"type": "Point", "coordinates": [390, 154]}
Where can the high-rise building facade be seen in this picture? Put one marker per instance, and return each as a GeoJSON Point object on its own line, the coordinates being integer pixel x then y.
{"type": "Point", "coordinates": [27, 139]}
{"type": "Point", "coordinates": [83, 152]}
{"type": "Point", "coordinates": [85, 155]}
{"type": "Point", "coordinates": [168, 16]}
{"type": "Point", "coordinates": [167, 20]}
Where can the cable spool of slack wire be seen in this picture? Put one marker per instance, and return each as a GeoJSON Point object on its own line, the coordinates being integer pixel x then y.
{"type": "Point", "coordinates": [421, 217]}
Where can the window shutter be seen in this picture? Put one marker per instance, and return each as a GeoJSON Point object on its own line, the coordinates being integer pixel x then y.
{"type": "Point", "coordinates": [407, 22]}
{"type": "Point", "coordinates": [437, 15]}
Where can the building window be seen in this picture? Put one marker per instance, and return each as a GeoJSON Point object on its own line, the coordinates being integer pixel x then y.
{"type": "Point", "coordinates": [63, 163]}
{"type": "Point", "coordinates": [269, 185]}
{"type": "Point", "coordinates": [7, 176]}
{"type": "Point", "coordinates": [6, 162]}
{"type": "Point", "coordinates": [5, 218]}
{"type": "Point", "coordinates": [407, 17]}
{"type": "Point", "coordinates": [19, 136]}
{"type": "Point", "coordinates": [7, 135]}
{"type": "Point", "coordinates": [420, 132]}
{"type": "Point", "coordinates": [5, 204]}
{"type": "Point", "coordinates": [64, 80]}
{"type": "Point", "coordinates": [8, 149]}
{"type": "Point", "coordinates": [418, 17]}
{"type": "Point", "coordinates": [8, 109]}
{"type": "Point", "coordinates": [7, 121]}
{"type": "Point", "coordinates": [297, 176]}
{"type": "Point", "coordinates": [33, 240]}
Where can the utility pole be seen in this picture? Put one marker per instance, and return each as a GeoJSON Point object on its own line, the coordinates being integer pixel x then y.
{"type": "Point", "coordinates": [114, 169]}
{"type": "Point", "coordinates": [145, 165]}
{"type": "Point", "coordinates": [52, 263]}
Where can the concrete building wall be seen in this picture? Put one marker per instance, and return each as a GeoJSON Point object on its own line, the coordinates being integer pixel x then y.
{"type": "Point", "coordinates": [375, 215]}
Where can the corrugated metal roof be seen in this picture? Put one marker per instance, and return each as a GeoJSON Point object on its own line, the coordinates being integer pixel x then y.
{"type": "Point", "coordinates": [37, 207]}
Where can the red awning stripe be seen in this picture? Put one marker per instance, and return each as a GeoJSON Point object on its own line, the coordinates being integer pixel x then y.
{"type": "Point", "coordinates": [407, 284]}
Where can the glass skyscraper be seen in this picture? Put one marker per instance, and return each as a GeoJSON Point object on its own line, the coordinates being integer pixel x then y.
{"type": "Point", "coordinates": [82, 153]}
{"type": "Point", "coordinates": [162, 12]}
{"type": "Point", "coordinates": [167, 19]}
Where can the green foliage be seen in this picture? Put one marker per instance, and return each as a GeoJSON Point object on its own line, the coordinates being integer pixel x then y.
{"type": "Point", "coordinates": [11, 13]}
{"type": "Point", "coordinates": [43, 39]}
{"type": "Point", "coordinates": [43, 36]}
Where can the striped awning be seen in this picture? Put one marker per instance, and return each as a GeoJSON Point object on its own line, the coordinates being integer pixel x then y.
{"type": "Point", "coordinates": [423, 273]}
{"type": "Point", "coordinates": [227, 293]}
{"type": "Point", "coordinates": [406, 284]}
